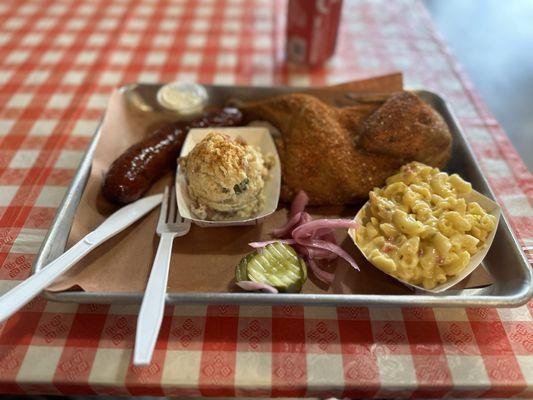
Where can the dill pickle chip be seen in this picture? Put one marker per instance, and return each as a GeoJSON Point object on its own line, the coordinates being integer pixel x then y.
{"type": "Point", "coordinates": [277, 265]}
{"type": "Point", "coordinates": [240, 270]}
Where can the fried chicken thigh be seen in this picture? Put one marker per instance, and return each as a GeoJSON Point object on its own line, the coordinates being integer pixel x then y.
{"type": "Point", "coordinates": [337, 155]}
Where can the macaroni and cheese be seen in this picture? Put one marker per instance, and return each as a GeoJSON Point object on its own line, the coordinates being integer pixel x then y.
{"type": "Point", "coordinates": [420, 228]}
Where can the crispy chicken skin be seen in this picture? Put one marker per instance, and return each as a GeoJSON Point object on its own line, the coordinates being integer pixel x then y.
{"type": "Point", "coordinates": [407, 128]}
{"type": "Point", "coordinates": [337, 155]}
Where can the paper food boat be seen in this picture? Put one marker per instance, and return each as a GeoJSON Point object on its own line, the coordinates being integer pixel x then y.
{"type": "Point", "coordinates": [255, 136]}
{"type": "Point", "coordinates": [487, 204]}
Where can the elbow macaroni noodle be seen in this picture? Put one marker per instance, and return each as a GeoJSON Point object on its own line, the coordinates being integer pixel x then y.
{"type": "Point", "coordinates": [420, 229]}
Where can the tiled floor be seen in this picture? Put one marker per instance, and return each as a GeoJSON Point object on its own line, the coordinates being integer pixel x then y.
{"type": "Point", "coordinates": [493, 41]}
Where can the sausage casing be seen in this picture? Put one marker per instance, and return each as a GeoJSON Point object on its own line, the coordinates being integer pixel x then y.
{"type": "Point", "coordinates": [134, 171]}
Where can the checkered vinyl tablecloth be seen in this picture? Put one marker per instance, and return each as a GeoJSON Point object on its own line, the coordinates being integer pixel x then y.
{"type": "Point", "coordinates": [60, 60]}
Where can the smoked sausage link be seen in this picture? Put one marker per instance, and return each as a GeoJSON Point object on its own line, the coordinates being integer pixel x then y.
{"type": "Point", "coordinates": [134, 171]}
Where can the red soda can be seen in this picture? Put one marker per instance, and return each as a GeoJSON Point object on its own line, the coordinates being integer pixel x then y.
{"type": "Point", "coordinates": [312, 27]}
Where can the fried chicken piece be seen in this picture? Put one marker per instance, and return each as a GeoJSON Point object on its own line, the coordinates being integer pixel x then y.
{"type": "Point", "coordinates": [407, 128]}
{"type": "Point", "coordinates": [337, 155]}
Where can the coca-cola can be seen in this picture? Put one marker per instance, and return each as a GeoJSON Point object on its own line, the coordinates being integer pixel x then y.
{"type": "Point", "coordinates": [312, 27]}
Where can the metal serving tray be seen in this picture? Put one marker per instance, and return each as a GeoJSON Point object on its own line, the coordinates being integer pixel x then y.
{"type": "Point", "coordinates": [512, 275]}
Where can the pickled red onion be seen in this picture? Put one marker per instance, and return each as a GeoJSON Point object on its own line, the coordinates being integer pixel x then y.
{"type": "Point", "coordinates": [331, 247]}
{"type": "Point", "coordinates": [322, 275]}
{"type": "Point", "coordinates": [288, 227]}
{"type": "Point", "coordinates": [259, 245]}
{"type": "Point", "coordinates": [312, 239]}
{"type": "Point", "coordinates": [253, 286]}
{"type": "Point", "coordinates": [320, 226]}
{"type": "Point", "coordinates": [299, 203]}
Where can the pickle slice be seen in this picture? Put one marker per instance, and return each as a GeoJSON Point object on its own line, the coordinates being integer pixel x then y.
{"type": "Point", "coordinates": [277, 265]}
{"type": "Point", "coordinates": [240, 271]}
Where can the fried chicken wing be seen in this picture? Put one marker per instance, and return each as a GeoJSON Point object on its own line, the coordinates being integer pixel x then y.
{"type": "Point", "coordinates": [337, 155]}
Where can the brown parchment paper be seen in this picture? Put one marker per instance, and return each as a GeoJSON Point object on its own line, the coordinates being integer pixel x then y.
{"type": "Point", "coordinates": [204, 260]}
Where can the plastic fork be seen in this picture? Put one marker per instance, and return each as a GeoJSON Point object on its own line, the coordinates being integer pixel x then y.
{"type": "Point", "coordinates": [169, 226]}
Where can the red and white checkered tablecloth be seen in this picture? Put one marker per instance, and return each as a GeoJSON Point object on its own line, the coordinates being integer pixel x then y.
{"type": "Point", "coordinates": [60, 60]}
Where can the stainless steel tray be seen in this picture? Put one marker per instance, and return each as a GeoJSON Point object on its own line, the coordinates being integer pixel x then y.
{"type": "Point", "coordinates": [513, 283]}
